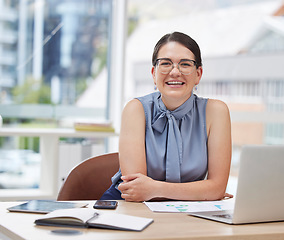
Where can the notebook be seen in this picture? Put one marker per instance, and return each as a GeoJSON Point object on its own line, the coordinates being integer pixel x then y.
{"type": "Point", "coordinates": [260, 190]}
{"type": "Point", "coordinates": [91, 218]}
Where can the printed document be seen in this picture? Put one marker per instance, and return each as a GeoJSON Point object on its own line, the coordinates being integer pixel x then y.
{"type": "Point", "coordinates": [190, 206]}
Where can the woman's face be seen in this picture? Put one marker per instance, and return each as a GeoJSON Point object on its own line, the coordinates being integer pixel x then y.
{"type": "Point", "coordinates": [175, 87]}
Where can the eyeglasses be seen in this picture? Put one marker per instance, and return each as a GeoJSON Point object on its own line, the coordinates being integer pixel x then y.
{"type": "Point", "coordinates": [165, 65]}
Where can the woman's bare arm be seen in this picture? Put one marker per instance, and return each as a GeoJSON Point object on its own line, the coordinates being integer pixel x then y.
{"type": "Point", "coordinates": [132, 139]}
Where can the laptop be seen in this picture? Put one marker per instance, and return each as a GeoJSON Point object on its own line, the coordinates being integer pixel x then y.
{"type": "Point", "coordinates": [260, 190]}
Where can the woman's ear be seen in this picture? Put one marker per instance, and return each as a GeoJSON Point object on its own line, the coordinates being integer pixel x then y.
{"type": "Point", "coordinates": [199, 72]}
{"type": "Point", "coordinates": [153, 72]}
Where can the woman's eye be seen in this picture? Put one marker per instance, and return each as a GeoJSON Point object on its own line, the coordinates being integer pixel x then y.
{"type": "Point", "coordinates": [185, 64]}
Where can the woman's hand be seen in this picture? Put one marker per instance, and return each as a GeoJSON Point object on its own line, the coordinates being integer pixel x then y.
{"type": "Point", "coordinates": [137, 187]}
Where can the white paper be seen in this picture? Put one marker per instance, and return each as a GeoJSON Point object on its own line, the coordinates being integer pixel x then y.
{"type": "Point", "coordinates": [121, 221]}
{"type": "Point", "coordinates": [190, 206]}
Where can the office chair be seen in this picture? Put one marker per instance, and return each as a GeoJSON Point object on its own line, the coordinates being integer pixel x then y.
{"type": "Point", "coordinates": [90, 178]}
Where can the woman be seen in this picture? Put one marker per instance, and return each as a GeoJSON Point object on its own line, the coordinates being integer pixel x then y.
{"type": "Point", "coordinates": [173, 144]}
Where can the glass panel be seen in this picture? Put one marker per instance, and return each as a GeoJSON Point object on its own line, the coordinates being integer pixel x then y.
{"type": "Point", "coordinates": [54, 53]}
{"type": "Point", "coordinates": [53, 70]}
{"type": "Point", "coordinates": [20, 167]}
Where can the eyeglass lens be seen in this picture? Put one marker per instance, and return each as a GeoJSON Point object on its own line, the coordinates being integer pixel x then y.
{"type": "Point", "coordinates": [186, 67]}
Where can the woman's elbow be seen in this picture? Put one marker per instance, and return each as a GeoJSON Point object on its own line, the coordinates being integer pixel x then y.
{"type": "Point", "coordinates": [217, 193]}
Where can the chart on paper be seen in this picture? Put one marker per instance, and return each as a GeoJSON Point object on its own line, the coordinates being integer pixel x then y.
{"type": "Point", "coordinates": [190, 206]}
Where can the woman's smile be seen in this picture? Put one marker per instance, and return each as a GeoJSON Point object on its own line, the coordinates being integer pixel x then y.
{"type": "Point", "coordinates": [175, 83]}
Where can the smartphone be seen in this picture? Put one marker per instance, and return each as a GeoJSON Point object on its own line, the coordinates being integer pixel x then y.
{"type": "Point", "coordinates": [104, 204]}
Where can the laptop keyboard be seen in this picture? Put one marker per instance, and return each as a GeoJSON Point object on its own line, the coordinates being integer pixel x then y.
{"type": "Point", "coordinates": [227, 216]}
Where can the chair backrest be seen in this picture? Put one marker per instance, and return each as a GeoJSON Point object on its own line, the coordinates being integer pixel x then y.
{"type": "Point", "coordinates": [90, 178]}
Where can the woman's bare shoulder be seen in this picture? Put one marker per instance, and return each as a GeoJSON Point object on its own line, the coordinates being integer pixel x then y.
{"type": "Point", "coordinates": [217, 113]}
{"type": "Point", "coordinates": [216, 106]}
{"type": "Point", "coordinates": [133, 113]}
{"type": "Point", "coordinates": [134, 106]}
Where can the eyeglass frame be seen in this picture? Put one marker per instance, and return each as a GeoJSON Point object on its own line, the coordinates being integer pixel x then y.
{"type": "Point", "coordinates": [182, 60]}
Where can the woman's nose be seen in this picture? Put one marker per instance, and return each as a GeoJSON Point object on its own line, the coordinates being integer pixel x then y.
{"type": "Point", "coordinates": [175, 70]}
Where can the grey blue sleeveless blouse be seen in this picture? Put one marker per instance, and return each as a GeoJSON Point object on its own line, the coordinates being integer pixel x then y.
{"type": "Point", "coordinates": [175, 141]}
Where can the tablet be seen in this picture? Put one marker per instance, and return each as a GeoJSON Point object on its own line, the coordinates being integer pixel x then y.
{"type": "Point", "coordinates": [44, 206]}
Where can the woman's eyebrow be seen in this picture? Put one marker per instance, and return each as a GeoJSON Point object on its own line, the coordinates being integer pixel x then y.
{"type": "Point", "coordinates": [165, 59]}
{"type": "Point", "coordinates": [186, 59]}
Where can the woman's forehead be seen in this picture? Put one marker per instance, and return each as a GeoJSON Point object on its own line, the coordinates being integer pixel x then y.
{"type": "Point", "coordinates": [175, 50]}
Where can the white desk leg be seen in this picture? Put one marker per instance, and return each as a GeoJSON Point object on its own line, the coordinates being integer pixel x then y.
{"type": "Point", "coordinates": [49, 165]}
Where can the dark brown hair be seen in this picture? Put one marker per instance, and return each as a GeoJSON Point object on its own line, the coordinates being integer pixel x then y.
{"type": "Point", "coordinates": [184, 40]}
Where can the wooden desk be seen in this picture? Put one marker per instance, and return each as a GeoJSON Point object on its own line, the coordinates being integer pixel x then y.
{"type": "Point", "coordinates": [166, 226]}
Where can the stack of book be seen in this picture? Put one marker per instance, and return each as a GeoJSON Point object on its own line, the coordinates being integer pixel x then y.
{"type": "Point", "coordinates": [94, 126]}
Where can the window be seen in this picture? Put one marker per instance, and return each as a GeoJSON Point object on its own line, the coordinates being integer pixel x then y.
{"type": "Point", "coordinates": [54, 69]}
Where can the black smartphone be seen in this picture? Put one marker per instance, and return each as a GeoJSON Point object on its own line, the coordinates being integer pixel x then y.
{"type": "Point", "coordinates": [105, 204]}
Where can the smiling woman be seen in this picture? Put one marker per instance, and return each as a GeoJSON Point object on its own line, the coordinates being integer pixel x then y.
{"type": "Point", "coordinates": [173, 144]}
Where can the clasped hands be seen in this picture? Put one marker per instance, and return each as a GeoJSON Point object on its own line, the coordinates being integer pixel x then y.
{"type": "Point", "coordinates": [138, 187]}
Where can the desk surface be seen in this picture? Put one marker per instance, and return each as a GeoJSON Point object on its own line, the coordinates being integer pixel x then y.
{"type": "Point", "coordinates": [59, 132]}
{"type": "Point", "coordinates": [166, 226]}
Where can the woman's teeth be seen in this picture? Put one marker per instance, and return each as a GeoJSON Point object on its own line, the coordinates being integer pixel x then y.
{"type": "Point", "coordinates": [175, 83]}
